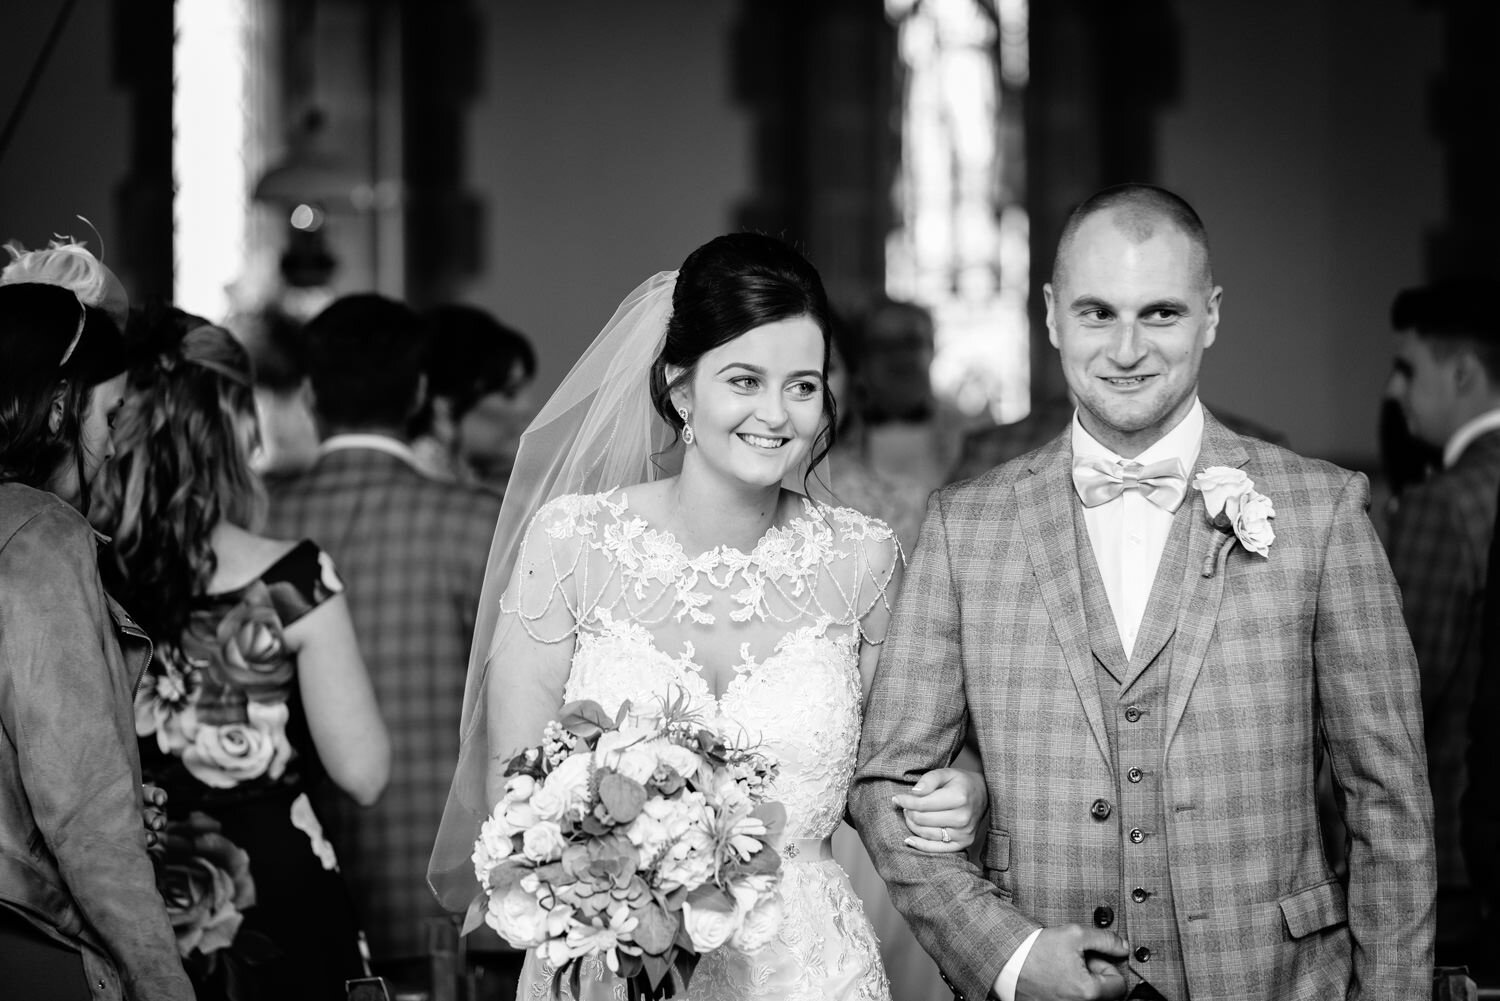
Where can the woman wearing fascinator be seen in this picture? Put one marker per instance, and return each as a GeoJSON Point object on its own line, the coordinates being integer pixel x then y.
{"type": "Point", "coordinates": [658, 538]}
{"type": "Point", "coordinates": [80, 916]}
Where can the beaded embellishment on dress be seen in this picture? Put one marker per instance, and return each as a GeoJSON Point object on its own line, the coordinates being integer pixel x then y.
{"type": "Point", "coordinates": [781, 627]}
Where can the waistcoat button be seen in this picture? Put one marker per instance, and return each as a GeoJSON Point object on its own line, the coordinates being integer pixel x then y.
{"type": "Point", "coordinates": [1135, 775]}
{"type": "Point", "coordinates": [1137, 835]}
{"type": "Point", "coordinates": [1142, 954]}
{"type": "Point", "coordinates": [1100, 810]}
{"type": "Point", "coordinates": [1139, 895]}
{"type": "Point", "coordinates": [1104, 916]}
{"type": "Point", "coordinates": [1133, 714]}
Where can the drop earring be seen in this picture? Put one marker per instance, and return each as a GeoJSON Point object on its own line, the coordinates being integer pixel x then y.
{"type": "Point", "coordinates": [687, 429]}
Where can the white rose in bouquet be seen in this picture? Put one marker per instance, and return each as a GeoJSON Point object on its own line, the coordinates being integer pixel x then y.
{"type": "Point", "coordinates": [518, 788]}
{"type": "Point", "coordinates": [682, 760]}
{"type": "Point", "coordinates": [648, 834]}
{"type": "Point", "coordinates": [544, 842]}
{"type": "Point", "coordinates": [517, 916]}
{"type": "Point", "coordinates": [711, 920]}
{"type": "Point", "coordinates": [572, 780]}
{"type": "Point", "coordinates": [550, 803]}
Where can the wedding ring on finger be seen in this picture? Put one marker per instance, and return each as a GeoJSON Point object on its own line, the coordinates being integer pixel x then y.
{"type": "Point", "coordinates": [947, 838]}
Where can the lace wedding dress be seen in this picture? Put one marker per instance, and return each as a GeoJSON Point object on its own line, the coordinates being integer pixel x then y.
{"type": "Point", "coordinates": [782, 626]}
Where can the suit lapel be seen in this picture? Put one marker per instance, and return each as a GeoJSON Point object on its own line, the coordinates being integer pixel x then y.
{"type": "Point", "coordinates": [1163, 605]}
{"type": "Point", "coordinates": [1200, 595]}
{"type": "Point", "coordinates": [1044, 504]}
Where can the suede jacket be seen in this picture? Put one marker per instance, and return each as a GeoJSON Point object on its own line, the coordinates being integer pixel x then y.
{"type": "Point", "coordinates": [73, 855]}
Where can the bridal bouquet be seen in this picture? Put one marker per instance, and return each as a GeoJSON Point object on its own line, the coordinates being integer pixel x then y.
{"type": "Point", "coordinates": [639, 842]}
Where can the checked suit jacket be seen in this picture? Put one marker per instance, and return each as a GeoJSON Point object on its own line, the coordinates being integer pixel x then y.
{"type": "Point", "coordinates": [412, 553]}
{"type": "Point", "coordinates": [1274, 662]}
{"type": "Point", "coordinates": [1439, 546]}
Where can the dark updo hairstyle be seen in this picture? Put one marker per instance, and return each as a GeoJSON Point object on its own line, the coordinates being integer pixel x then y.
{"type": "Point", "coordinates": [38, 329]}
{"type": "Point", "coordinates": [728, 287]}
{"type": "Point", "coordinates": [181, 464]}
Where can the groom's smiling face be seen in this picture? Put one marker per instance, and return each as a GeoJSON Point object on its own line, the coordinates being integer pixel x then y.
{"type": "Point", "coordinates": [1131, 311]}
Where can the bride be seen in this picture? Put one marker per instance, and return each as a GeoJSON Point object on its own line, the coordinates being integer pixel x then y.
{"type": "Point", "coordinates": [658, 537]}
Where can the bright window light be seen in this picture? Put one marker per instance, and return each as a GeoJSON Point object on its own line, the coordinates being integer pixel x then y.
{"type": "Point", "coordinates": [961, 246]}
{"type": "Point", "coordinates": [210, 126]}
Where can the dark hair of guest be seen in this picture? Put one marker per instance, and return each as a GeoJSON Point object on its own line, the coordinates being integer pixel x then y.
{"type": "Point", "coordinates": [182, 463]}
{"type": "Point", "coordinates": [470, 355]}
{"type": "Point", "coordinates": [37, 323]}
{"type": "Point", "coordinates": [364, 357]}
{"type": "Point", "coordinates": [275, 343]}
{"type": "Point", "coordinates": [728, 287]}
{"type": "Point", "coordinates": [1452, 316]}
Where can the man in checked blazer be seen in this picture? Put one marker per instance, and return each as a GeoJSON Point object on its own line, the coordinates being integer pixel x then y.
{"type": "Point", "coordinates": [412, 551]}
{"type": "Point", "coordinates": [1152, 693]}
{"type": "Point", "coordinates": [1446, 378]}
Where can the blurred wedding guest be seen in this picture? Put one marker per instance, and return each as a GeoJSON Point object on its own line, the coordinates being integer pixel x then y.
{"type": "Point", "coordinates": [412, 551]}
{"type": "Point", "coordinates": [479, 372]}
{"type": "Point", "coordinates": [288, 432]}
{"type": "Point", "coordinates": [908, 433]}
{"type": "Point", "coordinates": [900, 501]}
{"type": "Point", "coordinates": [80, 915]}
{"type": "Point", "coordinates": [1480, 809]}
{"type": "Point", "coordinates": [1446, 378]}
{"type": "Point", "coordinates": [256, 691]}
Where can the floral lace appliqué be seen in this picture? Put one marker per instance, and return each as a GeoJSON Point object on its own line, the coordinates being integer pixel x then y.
{"type": "Point", "coordinates": [800, 595]}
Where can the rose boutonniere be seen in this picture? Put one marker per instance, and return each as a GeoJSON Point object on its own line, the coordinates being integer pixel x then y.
{"type": "Point", "coordinates": [1237, 509]}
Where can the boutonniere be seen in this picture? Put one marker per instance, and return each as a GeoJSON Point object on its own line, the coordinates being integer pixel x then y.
{"type": "Point", "coordinates": [1236, 509]}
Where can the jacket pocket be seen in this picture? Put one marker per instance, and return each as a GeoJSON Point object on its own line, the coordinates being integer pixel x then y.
{"type": "Point", "coordinates": [1315, 908]}
{"type": "Point", "coordinates": [997, 850]}
{"type": "Point", "coordinates": [997, 862]}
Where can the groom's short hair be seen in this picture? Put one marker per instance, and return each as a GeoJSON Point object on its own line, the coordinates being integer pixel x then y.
{"type": "Point", "coordinates": [1139, 210]}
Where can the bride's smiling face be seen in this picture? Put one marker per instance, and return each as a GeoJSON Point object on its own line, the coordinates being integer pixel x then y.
{"type": "Point", "coordinates": [756, 403]}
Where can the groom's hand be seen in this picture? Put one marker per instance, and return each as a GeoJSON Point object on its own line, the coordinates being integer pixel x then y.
{"type": "Point", "coordinates": [1073, 963]}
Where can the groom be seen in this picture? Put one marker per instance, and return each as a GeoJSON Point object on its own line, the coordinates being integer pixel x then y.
{"type": "Point", "coordinates": [1152, 692]}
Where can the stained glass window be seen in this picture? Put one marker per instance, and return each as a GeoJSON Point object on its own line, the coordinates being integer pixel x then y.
{"type": "Point", "coordinates": [961, 246]}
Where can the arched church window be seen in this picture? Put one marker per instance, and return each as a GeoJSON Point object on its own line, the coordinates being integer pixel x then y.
{"type": "Point", "coordinates": [961, 244]}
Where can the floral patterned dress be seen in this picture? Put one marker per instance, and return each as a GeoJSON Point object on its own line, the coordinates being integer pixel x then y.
{"type": "Point", "coordinates": [223, 731]}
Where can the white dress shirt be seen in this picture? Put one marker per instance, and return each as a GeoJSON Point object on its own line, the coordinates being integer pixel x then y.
{"type": "Point", "coordinates": [372, 442]}
{"type": "Point", "coordinates": [1128, 535]}
{"type": "Point", "coordinates": [1465, 435]}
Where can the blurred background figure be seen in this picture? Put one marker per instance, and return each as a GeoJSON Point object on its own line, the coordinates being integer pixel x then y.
{"type": "Point", "coordinates": [1480, 809]}
{"type": "Point", "coordinates": [1405, 461]}
{"type": "Point", "coordinates": [907, 433]}
{"type": "Point", "coordinates": [479, 373]}
{"type": "Point", "coordinates": [412, 550]}
{"type": "Point", "coordinates": [900, 501]}
{"type": "Point", "coordinates": [288, 433]}
{"type": "Point", "coordinates": [257, 692]}
{"type": "Point", "coordinates": [1446, 379]}
{"type": "Point", "coordinates": [80, 915]}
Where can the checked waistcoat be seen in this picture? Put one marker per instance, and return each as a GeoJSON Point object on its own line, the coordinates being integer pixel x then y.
{"type": "Point", "coordinates": [1133, 691]}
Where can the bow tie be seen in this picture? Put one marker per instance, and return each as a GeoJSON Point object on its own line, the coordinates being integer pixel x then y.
{"type": "Point", "coordinates": [1100, 481]}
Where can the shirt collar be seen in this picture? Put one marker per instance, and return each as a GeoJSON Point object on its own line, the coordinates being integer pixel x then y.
{"type": "Point", "coordinates": [1467, 432]}
{"type": "Point", "coordinates": [371, 442]}
{"type": "Point", "coordinates": [1183, 442]}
